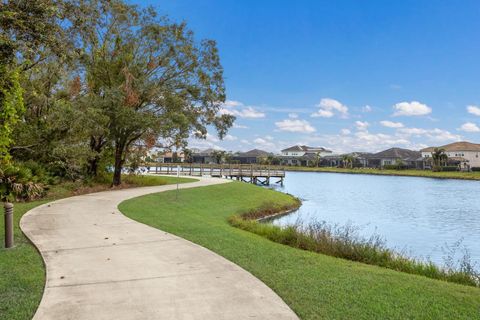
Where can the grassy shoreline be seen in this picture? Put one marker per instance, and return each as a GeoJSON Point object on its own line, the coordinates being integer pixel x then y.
{"type": "Point", "coordinates": [403, 173]}
{"type": "Point", "coordinates": [22, 269]}
{"type": "Point", "coordinates": [314, 285]}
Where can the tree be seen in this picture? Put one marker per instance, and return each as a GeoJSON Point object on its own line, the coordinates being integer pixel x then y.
{"type": "Point", "coordinates": [219, 156]}
{"type": "Point", "coordinates": [188, 155]}
{"type": "Point", "coordinates": [148, 77]}
{"type": "Point", "coordinates": [25, 27]}
{"type": "Point", "coordinates": [347, 161]}
{"type": "Point", "coordinates": [439, 157]}
{"type": "Point", "coordinates": [11, 107]}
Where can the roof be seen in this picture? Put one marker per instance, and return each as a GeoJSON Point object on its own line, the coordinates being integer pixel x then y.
{"type": "Point", "coordinates": [396, 153]}
{"type": "Point", "coordinates": [456, 146]}
{"type": "Point", "coordinates": [306, 149]}
{"type": "Point", "coordinates": [253, 153]}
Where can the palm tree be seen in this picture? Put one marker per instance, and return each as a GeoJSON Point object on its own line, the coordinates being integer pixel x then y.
{"type": "Point", "coordinates": [347, 161]}
{"type": "Point", "coordinates": [439, 157]}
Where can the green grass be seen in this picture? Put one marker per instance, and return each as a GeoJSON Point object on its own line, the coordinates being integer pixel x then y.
{"type": "Point", "coordinates": [22, 274]}
{"type": "Point", "coordinates": [474, 175]}
{"type": "Point", "coordinates": [315, 286]}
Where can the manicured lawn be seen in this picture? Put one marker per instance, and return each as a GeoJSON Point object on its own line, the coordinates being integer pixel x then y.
{"type": "Point", "coordinates": [413, 173]}
{"type": "Point", "coordinates": [22, 274]}
{"type": "Point", "coordinates": [314, 285]}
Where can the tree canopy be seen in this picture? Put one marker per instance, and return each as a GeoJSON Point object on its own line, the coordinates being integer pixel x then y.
{"type": "Point", "coordinates": [101, 78]}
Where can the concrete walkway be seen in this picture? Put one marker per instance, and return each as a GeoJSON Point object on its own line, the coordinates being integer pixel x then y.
{"type": "Point", "coordinates": [103, 265]}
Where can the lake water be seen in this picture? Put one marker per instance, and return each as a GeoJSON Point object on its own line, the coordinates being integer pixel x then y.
{"type": "Point", "coordinates": [419, 215]}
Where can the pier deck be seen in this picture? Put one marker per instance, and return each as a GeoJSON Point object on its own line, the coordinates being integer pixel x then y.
{"type": "Point", "coordinates": [258, 174]}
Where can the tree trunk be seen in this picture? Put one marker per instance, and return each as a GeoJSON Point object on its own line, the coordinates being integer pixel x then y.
{"type": "Point", "coordinates": [96, 145]}
{"type": "Point", "coordinates": [119, 160]}
{"type": "Point", "coordinates": [92, 166]}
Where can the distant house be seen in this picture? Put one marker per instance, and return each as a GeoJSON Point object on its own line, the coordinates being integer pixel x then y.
{"type": "Point", "coordinates": [464, 154]}
{"type": "Point", "coordinates": [302, 155]}
{"type": "Point", "coordinates": [409, 158]}
{"type": "Point", "coordinates": [167, 156]}
{"type": "Point", "coordinates": [251, 156]}
{"type": "Point", "coordinates": [205, 156]}
{"type": "Point", "coordinates": [360, 159]}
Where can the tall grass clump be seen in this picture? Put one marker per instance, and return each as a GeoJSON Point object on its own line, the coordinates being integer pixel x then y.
{"type": "Point", "coordinates": [346, 243]}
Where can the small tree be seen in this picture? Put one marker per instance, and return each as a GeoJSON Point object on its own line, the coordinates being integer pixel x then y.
{"type": "Point", "coordinates": [219, 156]}
{"type": "Point", "coordinates": [439, 158]}
{"type": "Point", "coordinates": [347, 161]}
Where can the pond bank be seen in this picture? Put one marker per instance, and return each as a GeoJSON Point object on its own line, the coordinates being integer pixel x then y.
{"type": "Point", "coordinates": [405, 173]}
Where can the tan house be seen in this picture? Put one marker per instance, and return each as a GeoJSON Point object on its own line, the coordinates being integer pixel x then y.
{"type": "Point", "coordinates": [464, 153]}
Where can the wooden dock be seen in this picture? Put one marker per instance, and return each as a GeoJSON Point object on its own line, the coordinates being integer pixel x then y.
{"type": "Point", "coordinates": [252, 173]}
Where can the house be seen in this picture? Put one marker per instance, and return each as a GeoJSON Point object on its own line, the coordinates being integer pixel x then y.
{"type": "Point", "coordinates": [172, 157]}
{"type": "Point", "coordinates": [464, 154]}
{"type": "Point", "coordinates": [409, 158]}
{"type": "Point", "coordinates": [302, 155]}
{"type": "Point", "coordinates": [205, 156]}
{"type": "Point", "coordinates": [164, 156]}
{"type": "Point", "coordinates": [251, 156]}
{"type": "Point", "coordinates": [360, 159]}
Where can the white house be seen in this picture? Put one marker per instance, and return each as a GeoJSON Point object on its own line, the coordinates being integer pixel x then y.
{"type": "Point", "coordinates": [302, 155]}
{"type": "Point", "coordinates": [467, 154]}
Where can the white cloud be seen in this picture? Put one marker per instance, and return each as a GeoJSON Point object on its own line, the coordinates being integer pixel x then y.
{"type": "Point", "coordinates": [361, 141]}
{"type": "Point", "coordinates": [413, 108]}
{"type": "Point", "coordinates": [391, 124]}
{"type": "Point", "coordinates": [328, 107]}
{"type": "Point", "coordinates": [431, 134]}
{"type": "Point", "coordinates": [361, 125]}
{"type": "Point", "coordinates": [345, 132]}
{"type": "Point", "coordinates": [473, 110]}
{"type": "Point", "coordinates": [248, 112]}
{"type": "Point", "coordinates": [469, 127]}
{"type": "Point", "coordinates": [238, 109]}
{"type": "Point", "coordinates": [413, 131]}
{"type": "Point", "coordinates": [211, 138]}
{"type": "Point", "coordinates": [232, 103]}
{"type": "Point", "coordinates": [294, 125]}
{"type": "Point", "coordinates": [239, 126]}
{"type": "Point", "coordinates": [367, 108]}
{"type": "Point", "coordinates": [293, 115]}
{"type": "Point", "coordinates": [229, 137]}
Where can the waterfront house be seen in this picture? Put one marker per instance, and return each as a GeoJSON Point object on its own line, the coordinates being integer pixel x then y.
{"type": "Point", "coordinates": [205, 156]}
{"type": "Point", "coordinates": [464, 154]}
{"type": "Point", "coordinates": [408, 158]}
{"type": "Point", "coordinates": [250, 157]}
{"type": "Point", "coordinates": [360, 159]}
{"type": "Point", "coordinates": [302, 155]}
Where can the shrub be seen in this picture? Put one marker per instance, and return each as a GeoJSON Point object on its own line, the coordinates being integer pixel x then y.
{"type": "Point", "coordinates": [18, 183]}
{"type": "Point", "coordinates": [450, 168]}
{"type": "Point", "coordinates": [475, 168]}
{"type": "Point", "coordinates": [395, 167]}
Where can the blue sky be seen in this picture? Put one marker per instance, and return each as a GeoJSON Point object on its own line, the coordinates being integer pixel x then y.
{"type": "Point", "coordinates": [346, 75]}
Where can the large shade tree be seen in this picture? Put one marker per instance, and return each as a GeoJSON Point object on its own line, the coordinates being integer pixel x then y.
{"type": "Point", "coordinates": [30, 32]}
{"type": "Point", "coordinates": [147, 77]}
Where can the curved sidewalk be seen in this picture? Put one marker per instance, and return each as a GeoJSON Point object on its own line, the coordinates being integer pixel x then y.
{"type": "Point", "coordinates": [103, 265]}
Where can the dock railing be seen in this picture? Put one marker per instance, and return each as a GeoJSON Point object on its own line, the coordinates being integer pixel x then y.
{"type": "Point", "coordinates": [252, 172]}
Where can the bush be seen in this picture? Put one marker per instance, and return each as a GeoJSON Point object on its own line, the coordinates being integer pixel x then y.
{"type": "Point", "coordinates": [395, 167]}
{"type": "Point", "coordinates": [450, 168]}
{"type": "Point", "coordinates": [18, 183]}
{"type": "Point", "coordinates": [475, 168]}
